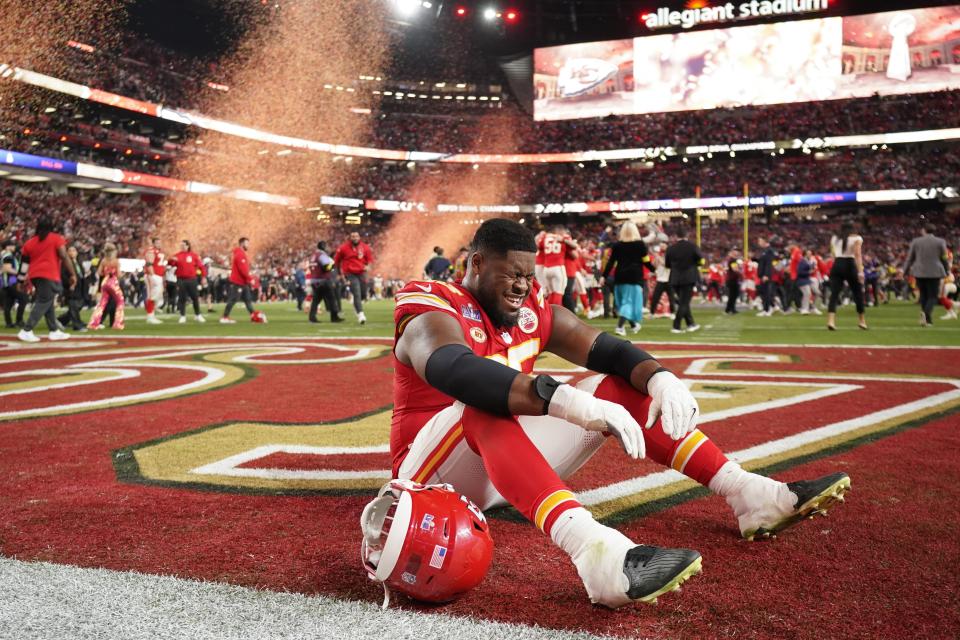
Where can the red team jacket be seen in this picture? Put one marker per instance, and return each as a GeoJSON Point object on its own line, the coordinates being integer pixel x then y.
{"type": "Point", "coordinates": [240, 268]}
{"type": "Point", "coordinates": [188, 265]}
{"type": "Point", "coordinates": [415, 401]}
{"type": "Point", "coordinates": [352, 259]}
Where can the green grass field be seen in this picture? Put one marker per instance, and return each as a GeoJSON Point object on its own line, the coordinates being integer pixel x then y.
{"type": "Point", "coordinates": [893, 324]}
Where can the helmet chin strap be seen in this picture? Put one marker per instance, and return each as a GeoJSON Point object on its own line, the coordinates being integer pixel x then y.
{"type": "Point", "coordinates": [386, 596]}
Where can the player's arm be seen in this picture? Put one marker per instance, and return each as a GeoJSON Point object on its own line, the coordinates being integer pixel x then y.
{"type": "Point", "coordinates": [583, 345]}
{"type": "Point", "coordinates": [148, 262]}
{"type": "Point", "coordinates": [432, 343]}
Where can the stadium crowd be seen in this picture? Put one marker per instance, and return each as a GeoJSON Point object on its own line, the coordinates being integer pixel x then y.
{"type": "Point", "coordinates": [283, 273]}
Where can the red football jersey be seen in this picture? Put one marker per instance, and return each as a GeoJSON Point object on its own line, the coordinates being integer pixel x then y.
{"type": "Point", "coordinates": [554, 249]}
{"type": "Point", "coordinates": [157, 260]}
{"type": "Point", "coordinates": [537, 239]}
{"type": "Point", "coordinates": [415, 401]}
{"type": "Point", "coordinates": [750, 270]}
{"type": "Point", "coordinates": [571, 262]}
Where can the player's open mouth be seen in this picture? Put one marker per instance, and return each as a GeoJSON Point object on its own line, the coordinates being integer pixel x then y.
{"type": "Point", "coordinates": [515, 302]}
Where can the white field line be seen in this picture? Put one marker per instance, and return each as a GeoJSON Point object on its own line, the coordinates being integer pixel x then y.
{"type": "Point", "coordinates": [119, 374]}
{"type": "Point", "coordinates": [230, 466]}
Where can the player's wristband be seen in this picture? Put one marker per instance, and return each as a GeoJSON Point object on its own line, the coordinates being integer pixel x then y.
{"type": "Point", "coordinates": [476, 382]}
{"type": "Point", "coordinates": [545, 387]}
{"type": "Point", "coordinates": [610, 355]}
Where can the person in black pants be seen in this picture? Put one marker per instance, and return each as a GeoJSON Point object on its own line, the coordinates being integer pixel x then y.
{"type": "Point", "coordinates": [765, 276]}
{"type": "Point", "coordinates": [927, 262]}
{"type": "Point", "coordinates": [663, 284]}
{"type": "Point", "coordinates": [847, 268]}
{"type": "Point", "coordinates": [684, 260]}
{"type": "Point", "coordinates": [323, 284]}
{"type": "Point", "coordinates": [733, 286]}
{"type": "Point", "coordinates": [11, 287]}
{"type": "Point", "coordinates": [73, 295]}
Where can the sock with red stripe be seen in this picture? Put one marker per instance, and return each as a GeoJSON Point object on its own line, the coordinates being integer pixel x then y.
{"type": "Point", "coordinates": [517, 468]}
{"type": "Point", "coordinates": [947, 303]}
{"type": "Point", "coordinates": [555, 298]}
{"type": "Point", "coordinates": [150, 305]}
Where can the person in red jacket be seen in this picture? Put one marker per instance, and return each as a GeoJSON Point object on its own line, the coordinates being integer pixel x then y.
{"type": "Point", "coordinates": [240, 281]}
{"type": "Point", "coordinates": [45, 252]}
{"type": "Point", "coordinates": [353, 258]}
{"type": "Point", "coordinates": [188, 267]}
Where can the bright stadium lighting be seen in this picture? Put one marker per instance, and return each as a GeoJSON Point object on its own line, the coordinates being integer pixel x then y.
{"type": "Point", "coordinates": [489, 14]}
{"type": "Point", "coordinates": [511, 15]}
{"type": "Point", "coordinates": [407, 7]}
{"type": "Point", "coordinates": [460, 12]}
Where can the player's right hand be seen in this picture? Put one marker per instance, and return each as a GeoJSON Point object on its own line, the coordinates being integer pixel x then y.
{"type": "Point", "coordinates": [593, 414]}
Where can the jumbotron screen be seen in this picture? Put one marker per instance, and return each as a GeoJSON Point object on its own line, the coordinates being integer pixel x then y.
{"type": "Point", "coordinates": [910, 51]}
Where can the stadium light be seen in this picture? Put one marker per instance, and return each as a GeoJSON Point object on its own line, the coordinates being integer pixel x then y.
{"type": "Point", "coordinates": [511, 15]}
{"type": "Point", "coordinates": [460, 12]}
{"type": "Point", "coordinates": [489, 14]}
{"type": "Point", "coordinates": [407, 7]}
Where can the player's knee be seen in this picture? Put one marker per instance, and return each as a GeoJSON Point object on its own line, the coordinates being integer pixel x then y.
{"type": "Point", "coordinates": [616, 389]}
{"type": "Point", "coordinates": [481, 427]}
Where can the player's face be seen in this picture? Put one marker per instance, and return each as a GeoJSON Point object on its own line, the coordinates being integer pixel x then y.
{"type": "Point", "coordinates": [503, 284]}
{"type": "Point", "coordinates": [355, 238]}
{"type": "Point", "coordinates": [245, 245]}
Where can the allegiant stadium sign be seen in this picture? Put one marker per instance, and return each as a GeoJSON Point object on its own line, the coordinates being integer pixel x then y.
{"type": "Point", "coordinates": [665, 17]}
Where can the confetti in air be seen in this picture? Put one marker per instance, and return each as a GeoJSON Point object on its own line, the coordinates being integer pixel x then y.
{"type": "Point", "coordinates": [276, 79]}
{"type": "Point", "coordinates": [407, 247]}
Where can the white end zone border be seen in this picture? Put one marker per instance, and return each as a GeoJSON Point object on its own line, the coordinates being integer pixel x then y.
{"type": "Point", "coordinates": [40, 600]}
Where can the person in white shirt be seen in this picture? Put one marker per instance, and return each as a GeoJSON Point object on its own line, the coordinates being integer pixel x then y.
{"type": "Point", "coordinates": [847, 248]}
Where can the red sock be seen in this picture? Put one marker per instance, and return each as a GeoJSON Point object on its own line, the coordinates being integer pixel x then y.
{"type": "Point", "coordinates": [151, 305]}
{"type": "Point", "coordinates": [585, 302]}
{"type": "Point", "coordinates": [555, 298]}
{"type": "Point", "coordinates": [517, 468]}
{"type": "Point", "coordinates": [694, 455]}
{"type": "Point", "coordinates": [947, 303]}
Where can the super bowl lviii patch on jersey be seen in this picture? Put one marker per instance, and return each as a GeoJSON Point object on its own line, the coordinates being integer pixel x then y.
{"type": "Point", "coordinates": [470, 312]}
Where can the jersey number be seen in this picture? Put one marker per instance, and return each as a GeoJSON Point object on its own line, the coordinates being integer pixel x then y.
{"type": "Point", "coordinates": [552, 244]}
{"type": "Point", "coordinates": [519, 354]}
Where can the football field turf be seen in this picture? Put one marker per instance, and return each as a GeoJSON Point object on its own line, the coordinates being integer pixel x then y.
{"type": "Point", "coordinates": [895, 324]}
{"type": "Point", "coordinates": [206, 481]}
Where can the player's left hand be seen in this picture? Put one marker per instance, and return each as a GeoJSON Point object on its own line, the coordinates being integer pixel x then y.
{"type": "Point", "coordinates": [673, 403]}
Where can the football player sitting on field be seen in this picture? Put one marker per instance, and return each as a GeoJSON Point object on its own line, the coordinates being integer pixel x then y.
{"type": "Point", "coordinates": [469, 412]}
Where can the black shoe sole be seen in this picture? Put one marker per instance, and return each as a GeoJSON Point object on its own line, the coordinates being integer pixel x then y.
{"type": "Point", "coordinates": [686, 563]}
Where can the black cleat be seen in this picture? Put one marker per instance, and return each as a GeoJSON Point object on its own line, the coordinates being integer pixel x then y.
{"type": "Point", "coordinates": [654, 571]}
{"type": "Point", "coordinates": [813, 497]}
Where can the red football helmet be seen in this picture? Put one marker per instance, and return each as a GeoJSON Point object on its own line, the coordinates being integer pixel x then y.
{"type": "Point", "coordinates": [425, 541]}
{"type": "Point", "coordinates": [259, 317]}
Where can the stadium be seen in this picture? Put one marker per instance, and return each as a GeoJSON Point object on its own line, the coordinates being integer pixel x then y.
{"type": "Point", "coordinates": [561, 319]}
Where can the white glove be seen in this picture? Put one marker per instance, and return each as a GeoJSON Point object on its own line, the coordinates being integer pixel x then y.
{"type": "Point", "coordinates": [673, 400]}
{"type": "Point", "coordinates": [582, 409]}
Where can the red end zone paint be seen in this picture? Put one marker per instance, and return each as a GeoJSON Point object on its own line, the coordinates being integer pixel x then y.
{"type": "Point", "coordinates": [879, 566]}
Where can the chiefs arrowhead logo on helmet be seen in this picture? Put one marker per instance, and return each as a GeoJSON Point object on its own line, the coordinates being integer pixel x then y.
{"type": "Point", "coordinates": [425, 541]}
{"type": "Point", "coordinates": [259, 317]}
{"type": "Point", "coordinates": [580, 75]}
